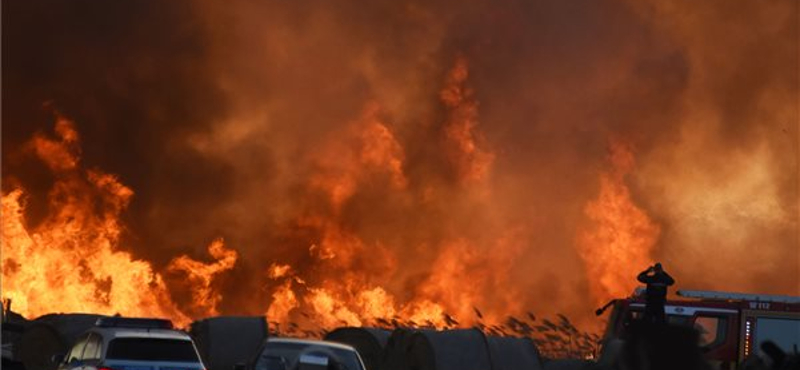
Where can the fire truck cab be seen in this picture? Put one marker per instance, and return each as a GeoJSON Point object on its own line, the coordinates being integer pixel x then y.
{"type": "Point", "coordinates": [732, 326]}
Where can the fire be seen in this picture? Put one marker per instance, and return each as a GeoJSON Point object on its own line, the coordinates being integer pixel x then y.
{"type": "Point", "coordinates": [620, 242]}
{"type": "Point", "coordinates": [369, 148]}
{"type": "Point", "coordinates": [334, 309]}
{"type": "Point", "coordinates": [283, 302]}
{"type": "Point", "coordinates": [404, 160]}
{"type": "Point", "coordinates": [366, 154]}
{"type": "Point", "coordinates": [72, 262]}
{"type": "Point", "coordinates": [376, 303]}
{"type": "Point", "coordinates": [69, 262]}
{"type": "Point", "coordinates": [200, 276]}
{"type": "Point", "coordinates": [276, 271]}
{"type": "Point", "coordinates": [334, 273]}
{"type": "Point", "coordinates": [462, 139]}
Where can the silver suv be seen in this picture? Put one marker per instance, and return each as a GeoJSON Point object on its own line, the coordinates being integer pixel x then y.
{"type": "Point", "coordinates": [117, 343]}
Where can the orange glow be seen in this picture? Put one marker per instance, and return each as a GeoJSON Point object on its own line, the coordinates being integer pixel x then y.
{"type": "Point", "coordinates": [70, 262]}
{"type": "Point", "coordinates": [369, 147]}
{"type": "Point", "coordinates": [332, 310]}
{"type": "Point", "coordinates": [462, 138]}
{"type": "Point", "coordinates": [336, 293]}
{"type": "Point", "coordinates": [375, 303]}
{"type": "Point", "coordinates": [200, 276]}
{"type": "Point", "coordinates": [283, 302]}
{"type": "Point", "coordinates": [336, 275]}
{"type": "Point", "coordinates": [396, 163]}
{"type": "Point", "coordinates": [276, 271]}
{"type": "Point", "coordinates": [618, 245]}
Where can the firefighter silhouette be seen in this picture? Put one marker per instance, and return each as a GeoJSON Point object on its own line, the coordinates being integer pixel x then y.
{"type": "Point", "coordinates": [657, 281]}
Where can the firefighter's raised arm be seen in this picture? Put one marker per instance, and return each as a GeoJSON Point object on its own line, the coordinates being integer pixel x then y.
{"type": "Point", "coordinates": [668, 280]}
{"type": "Point", "coordinates": [643, 275]}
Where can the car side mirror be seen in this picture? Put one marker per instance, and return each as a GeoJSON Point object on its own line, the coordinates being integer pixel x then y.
{"type": "Point", "coordinates": [240, 366]}
{"type": "Point", "coordinates": [57, 358]}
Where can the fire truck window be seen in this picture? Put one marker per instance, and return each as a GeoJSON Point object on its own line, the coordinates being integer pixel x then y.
{"type": "Point", "coordinates": [711, 329]}
{"type": "Point", "coordinates": [783, 331]}
{"type": "Point", "coordinates": [679, 320]}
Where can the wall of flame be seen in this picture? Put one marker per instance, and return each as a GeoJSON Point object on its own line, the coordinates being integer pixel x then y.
{"type": "Point", "coordinates": [330, 163]}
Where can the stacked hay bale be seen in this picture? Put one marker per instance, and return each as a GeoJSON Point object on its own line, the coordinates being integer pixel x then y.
{"type": "Point", "coordinates": [226, 341]}
{"type": "Point", "coordinates": [460, 349]}
{"type": "Point", "coordinates": [510, 353]}
{"type": "Point", "coordinates": [369, 342]}
{"type": "Point", "coordinates": [395, 354]}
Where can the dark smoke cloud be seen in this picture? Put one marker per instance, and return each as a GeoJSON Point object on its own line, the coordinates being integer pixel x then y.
{"type": "Point", "coordinates": [134, 76]}
{"type": "Point", "coordinates": [215, 114]}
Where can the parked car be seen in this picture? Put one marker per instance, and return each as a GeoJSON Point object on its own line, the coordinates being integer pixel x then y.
{"type": "Point", "coordinates": [291, 354]}
{"type": "Point", "coordinates": [117, 343]}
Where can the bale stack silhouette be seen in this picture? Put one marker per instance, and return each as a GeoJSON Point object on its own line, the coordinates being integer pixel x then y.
{"type": "Point", "coordinates": [397, 347]}
{"type": "Point", "coordinates": [510, 353]}
{"type": "Point", "coordinates": [369, 342]}
{"type": "Point", "coordinates": [463, 349]}
{"type": "Point", "coordinates": [459, 349]}
{"type": "Point", "coordinates": [225, 341]}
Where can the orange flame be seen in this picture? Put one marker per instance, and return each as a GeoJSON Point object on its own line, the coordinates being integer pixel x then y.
{"type": "Point", "coordinates": [463, 141]}
{"type": "Point", "coordinates": [276, 271]}
{"type": "Point", "coordinates": [71, 261]}
{"type": "Point", "coordinates": [368, 152]}
{"type": "Point", "coordinates": [200, 275]}
{"type": "Point", "coordinates": [329, 283]}
{"type": "Point", "coordinates": [620, 242]}
{"type": "Point", "coordinates": [283, 302]}
{"type": "Point", "coordinates": [376, 150]}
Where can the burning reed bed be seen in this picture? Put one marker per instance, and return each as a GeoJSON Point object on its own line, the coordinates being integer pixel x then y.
{"type": "Point", "coordinates": [555, 338]}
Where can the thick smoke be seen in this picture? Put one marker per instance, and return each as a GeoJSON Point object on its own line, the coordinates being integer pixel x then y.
{"type": "Point", "coordinates": [435, 143]}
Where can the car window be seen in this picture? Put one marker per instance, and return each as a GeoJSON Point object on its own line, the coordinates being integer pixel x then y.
{"type": "Point", "coordinates": [92, 350]}
{"type": "Point", "coordinates": [77, 350]}
{"type": "Point", "coordinates": [151, 349]}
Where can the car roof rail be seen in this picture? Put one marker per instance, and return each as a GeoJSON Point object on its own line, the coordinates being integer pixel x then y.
{"type": "Point", "coordinates": [133, 322]}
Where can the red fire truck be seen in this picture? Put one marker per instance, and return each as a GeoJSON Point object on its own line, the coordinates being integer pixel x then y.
{"type": "Point", "coordinates": [732, 326]}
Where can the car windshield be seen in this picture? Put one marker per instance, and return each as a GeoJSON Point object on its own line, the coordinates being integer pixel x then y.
{"type": "Point", "coordinates": [151, 349]}
{"type": "Point", "coordinates": [283, 355]}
